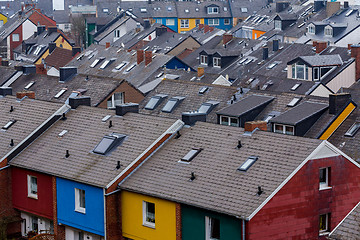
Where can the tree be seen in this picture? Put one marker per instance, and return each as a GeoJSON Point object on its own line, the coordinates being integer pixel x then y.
{"type": "Point", "coordinates": [78, 29]}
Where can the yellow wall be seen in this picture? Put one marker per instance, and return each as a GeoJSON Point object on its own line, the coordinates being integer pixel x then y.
{"type": "Point", "coordinates": [192, 24]}
{"type": "Point", "coordinates": [132, 218]}
{"type": "Point", "coordinates": [3, 18]}
{"type": "Point", "coordinates": [335, 124]}
{"type": "Point", "coordinates": [257, 33]}
{"type": "Point", "coordinates": [59, 43]}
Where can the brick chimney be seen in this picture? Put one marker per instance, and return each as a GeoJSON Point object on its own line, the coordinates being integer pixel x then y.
{"type": "Point", "coordinates": [250, 126]}
{"type": "Point", "coordinates": [349, 46]}
{"type": "Point", "coordinates": [320, 46]}
{"type": "Point", "coordinates": [332, 7]}
{"type": "Point", "coordinates": [206, 28]}
{"type": "Point", "coordinates": [148, 57]}
{"type": "Point", "coordinates": [200, 71]}
{"type": "Point", "coordinates": [201, 26]}
{"type": "Point", "coordinates": [314, 43]}
{"type": "Point", "coordinates": [355, 53]}
{"type": "Point", "coordinates": [29, 94]}
{"type": "Point", "coordinates": [40, 69]}
{"type": "Point", "coordinates": [227, 38]}
{"type": "Point", "coordinates": [140, 56]}
{"type": "Point", "coordinates": [107, 44]}
{"type": "Point", "coordinates": [338, 101]}
{"type": "Point", "coordinates": [211, 29]}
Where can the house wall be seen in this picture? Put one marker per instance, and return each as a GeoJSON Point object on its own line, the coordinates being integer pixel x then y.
{"type": "Point", "coordinates": [132, 217]}
{"type": "Point", "coordinates": [189, 43]}
{"type": "Point", "coordinates": [61, 42]}
{"type": "Point", "coordinates": [193, 224]}
{"type": "Point", "coordinates": [305, 125]}
{"type": "Point", "coordinates": [3, 18]}
{"type": "Point", "coordinates": [28, 29]}
{"type": "Point", "coordinates": [11, 44]}
{"type": "Point", "coordinates": [174, 63]}
{"type": "Point", "coordinates": [351, 38]}
{"type": "Point", "coordinates": [163, 21]}
{"type": "Point", "coordinates": [43, 206]}
{"type": "Point", "coordinates": [344, 79]}
{"type": "Point", "coordinates": [221, 25]}
{"type": "Point", "coordinates": [293, 213]}
{"type": "Point", "coordinates": [93, 220]}
{"type": "Point", "coordinates": [192, 24]}
{"type": "Point", "coordinates": [257, 33]}
{"type": "Point", "coordinates": [44, 224]}
{"type": "Point", "coordinates": [321, 91]}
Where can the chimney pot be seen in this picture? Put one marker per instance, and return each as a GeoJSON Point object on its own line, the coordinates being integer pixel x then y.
{"type": "Point", "coordinates": [107, 44]}
{"type": "Point", "coordinates": [321, 46]}
{"type": "Point", "coordinates": [338, 101]}
{"type": "Point", "coordinates": [200, 71]}
{"type": "Point", "coordinates": [66, 73]}
{"type": "Point", "coordinates": [265, 53]}
{"type": "Point", "coordinates": [148, 57]}
{"type": "Point", "coordinates": [29, 94]}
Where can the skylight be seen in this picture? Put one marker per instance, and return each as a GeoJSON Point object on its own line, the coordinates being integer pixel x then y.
{"type": "Point", "coordinates": [159, 75]}
{"type": "Point", "coordinates": [353, 129]}
{"type": "Point", "coordinates": [242, 60]}
{"type": "Point", "coordinates": [29, 85]}
{"type": "Point", "coordinates": [107, 117]}
{"type": "Point", "coordinates": [107, 63]}
{"type": "Point", "coordinates": [121, 65]}
{"type": "Point", "coordinates": [143, 10]}
{"type": "Point", "coordinates": [244, 10]}
{"type": "Point", "coordinates": [203, 90]}
{"type": "Point", "coordinates": [169, 9]}
{"type": "Point", "coordinates": [63, 132]}
{"type": "Point", "coordinates": [191, 155]}
{"type": "Point", "coordinates": [109, 143]}
{"type": "Point", "coordinates": [95, 62]}
{"type": "Point", "coordinates": [294, 102]}
{"type": "Point", "coordinates": [248, 61]}
{"type": "Point", "coordinates": [248, 163]}
{"type": "Point", "coordinates": [295, 87]}
{"type": "Point", "coordinates": [349, 12]}
{"type": "Point", "coordinates": [172, 104]}
{"type": "Point", "coordinates": [207, 107]}
{"type": "Point", "coordinates": [250, 80]}
{"type": "Point", "coordinates": [38, 49]}
{"type": "Point", "coordinates": [271, 66]}
{"type": "Point", "coordinates": [130, 68]}
{"type": "Point", "coordinates": [59, 94]}
{"type": "Point", "coordinates": [8, 125]}
{"type": "Point", "coordinates": [187, 10]}
{"type": "Point", "coordinates": [155, 101]}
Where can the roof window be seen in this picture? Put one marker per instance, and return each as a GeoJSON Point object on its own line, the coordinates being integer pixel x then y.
{"type": "Point", "coordinates": [248, 163]}
{"type": "Point", "coordinates": [353, 129]}
{"type": "Point", "coordinates": [208, 107]}
{"type": "Point", "coordinates": [96, 61]}
{"type": "Point", "coordinates": [143, 10]}
{"type": "Point", "coordinates": [109, 143]}
{"type": "Point", "coordinates": [107, 117]}
{"type": "Point", "coordinates": [59, 94]}
{"type": "Point", "coordinates": [295, 87]}
{"type": "Point", "coordinates": [155, 101]}
{"type": "Point", "coordinates": [63, 132]}
{"type": "Point", "coordinates": [271, 66]}
{"type": "Point", "coordinates": [244, 10]}
{"type": "Point", "coordinates": [172, 104]}
{"type": "Point", "coordinates": [120, 66]}
{"type": "Point", "coordinates": [191, 155]}
{"type": "Point", "coordinates": [293, 102]}
{"type": "Point", "coordinates": [107, 63]}
{"type": "Point", "coordinates": [27, 87]}
{"type": "Point", "coordinates": [130, 68]}
{"type": "Point", "coordinates": [203, 90]}
{"type": "Point", "coordinates": [8, 125]}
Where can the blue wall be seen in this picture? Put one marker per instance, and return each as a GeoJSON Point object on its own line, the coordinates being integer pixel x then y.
{"type": "Point", "coordinates": [93, 220]}
{"type": "Point", "coordinates": [175, 63]}
{"type": "Point", "coordinates": [163, 21]}
{"type": "Point", "coordinates": [221, 23]}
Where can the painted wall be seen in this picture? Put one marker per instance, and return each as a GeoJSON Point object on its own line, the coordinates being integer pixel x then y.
{"type": "Point", "coordinates": [193, 224]}
{"type": "Point", "coordinates": [61, 42]}
{"type": "Point", "coordinates": [93, 220]}
{"type": "Point", "coordinates": [3, 18]}
{"type": "Point", "coordinates": [43, 206]}
{"type": "Point", "coordinates": [345, 79]}
{"type": "Point", "coordinates": [28, 29]}
{"type": "Point", "coordinates": [163, 21]}
{"type": "Point", "coordinates": [189, 43]}
{"type": "Point", "coordinates": [321, 91]}
{"type": "Point", "coordinates": [192, 24]}
{"type": "Point", "coordinates": [350, 38]}
{"type": "Point", "coordinates": [123, 28]}
{"type": "Point", "coordinates": [44, 225]}
{"type": "Point", "coordinates": [221, 25]}
{"type": "Point", "coordinates": [174, 63]}
{"type": "Point", "coordinates": [11, 44]}
{"type": "Point", "coordinates": [257, 33]}
{"type": "Point", "coordinates": [293, 213]}
{"type": "Point", "coordinates": [132, 218]}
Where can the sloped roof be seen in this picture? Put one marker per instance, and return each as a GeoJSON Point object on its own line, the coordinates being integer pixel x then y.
{"type": "Point", "coordinates": [322, 60]}
{"type": "Point", "coordinates": [59, 58]}
{"type": "Point", "coordinates": [218, 185]}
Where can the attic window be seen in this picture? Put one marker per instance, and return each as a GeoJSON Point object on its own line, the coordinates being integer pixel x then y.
{"type": "Point", "coordinates": [248, 61]}
{"type": "Point", "coordinates": [95, 62]}
{"type": "Point", "coordinates": [349, 12]}
{"type": "Point", "coordinates": [59, 94]}
{"type": "Point", "coordinates": [353, 129]}
{"type": "Point", "coordinates": [271, 66]}
{"type": "Point", "coordinates": [63, 132]}
{"type": "Point", "coordinates": [155, 101]}
{"type": "Point", "coordinates": [130, 68]}
{"type": "Point", "coordinates": [187, 10]}
{"type": "Point", "coordinates": [109, 143]}
{"type": "Point", "coordinates": [295, 87]}
{"type": "Point", "coordinates": [213, 10]}
{"type": "Point", "coordinates": [191, 155]}
{"type": "Point", "coordinates": [244, 10]}
{"type": "Point", "coordinates": [107, 117]}
{"type": "Point", "coordinates": [105, 10]}
{"type": "Point", "coordinates": [248, 163]}
{"type": "Point", "coordinates": [169, 9]}
{"type": "Point", "coordinates": [293, 102]}
{"type": "Point", "coordinates": [107, 63]}
{"type": "Point", "coordinates": [38, 49]}
{"type": "Point", "coordinates": [121, 65]}
{"type": "Point", "coordinates": [8, 125]}
{"type": "Point", "coordinates": [203, 90]}
{"type": "Point", "coordinates": [207, 107]}
{"type": "Point", "coordinates": [172, 104]}
{"type": "Point", "coordinates": [143, 10]}
{"type": "Point", "coordinates": [27, 87]}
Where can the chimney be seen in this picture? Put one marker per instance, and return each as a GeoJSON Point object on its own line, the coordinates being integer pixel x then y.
{"type": "Point", "coordinates": [355, 53]}
{"type": "Point", "coordinates": [147, 24]}
{"type": "Point", "coordinates": [265, 53]}
{"type": "Point", "coordinates": [201, 26]}
{"type": "Point", "coordinates": [29, 69]}
{"type": "Point", "coordinates": [122, 109]}
{"type": "Point", "coordinates": [206, 28]}
{"type": "Point", "coordinates": [321, 46]}
{"type": "Point", "coordinates": [190, 118]}
{"type": "Point", "coordinates": [148, 57]}
{"type": "Point", "coordinates": [281, 6]}
{"type": "Point", "coordinates": [52, 47]}
{"type": "Point", "coordinates": [211, 29]}
{"type": "Point", "coordinates": [76, 50]}
{"type": "Point", "coordinates": [160, 30]}
{"type": "Point", "coordinates": [200, 71]}
{"type": "Point", "coordinates": [318, 5]}
{"type": "Point", "coordinates": [21, 68]}
{"type": "Point", "coordinates": [5, 91]}
{"type": "Point", "coordinates": [40, 29]}
{"type": "Point", "coordinates": [346, 4]}
{"type": "Point", "coordinates": [275, 45]}
{"type": "Point", "coordinates": [227, 38]}
{"type": "Point", "coordinates": [5, 63]}
{"type": "Point", "coordinates": [140, 56]}
{"type": "Point", "coordinates": [338, 101]}
{"type": "Point", "coordinates": [74, 102]}
{"type": "Point", "coordinates": [40, 69]}
{"type": "Point", "coordinates": [314, 44]}
{"type": "Point", "coordinates": [29, 94]}
{"type": "Point", "coordinates": [250, 126]}
{"type": "Point", "coordinates": [107, 44]}
{"type": "Point", "coordinates": [52, 30]}
{"type": "Point", "coordinates": [349, 46]}
{"type": "Point", "coordinates": [331, 8]}
{"type": "Point", "coordinates": [66, 73]}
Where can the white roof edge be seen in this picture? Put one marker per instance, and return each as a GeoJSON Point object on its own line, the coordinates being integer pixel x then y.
{"type": "Point", "coordinates": [342, 153]}
{"type": "Point", "coordinates": [344, 218]}
{"type": "Point", "coordinates": [171, 130]}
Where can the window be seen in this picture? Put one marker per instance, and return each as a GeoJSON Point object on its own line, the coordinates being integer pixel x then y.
{"type": "Point", "coordinates": [324, 178]}
{"type": "Point", "coordinates": [155, 101]}
{"type": "Point", "coordinates": [316, 73]}
{"type": "Point", "coordinates": [149, 214]}
{"type": "Point", "coordinates": [80, 200]}
{"type": "Point", "coordinates": [213, 21]}
{"type": "Point", "coordinates": [248, 163]}
{"type": "Point", "coordinates": [191, 155]}
{"type": "Point", "coordinates": [328, 31]}
{"type": "Point", "coordinates": [277, 24]}
{"type": "Point", "coordinates": [212, 228]}
{"type": "Point", "coordinates": [204, 59]}
{"type": "Point", "coordinates": [300, 71]}
{"type": "Point", "coordinates": [324, 71]}
{"type": "Point", "coordinates": [244, 10]}
{"type": "Point", "coordinates": [296, 86]}
{"type": "Point", "coordinates": [172, 104]}
{"type": "Point", "coordinates": [207, 107]}
{"type": "Point", "coordinates": [311, 29]}
{"type": "Point", "coordinates": [284, 129]}
{"type": "Point", "coordinates": [353, 129]}
{"type": "Point", "coordinates": [229, 121]}
{"type": "Point", "coordinates": [60, 93]}
{"type": "Point", "coordinates": [184, 23]}
{"type": "Point", "coordinates": [324, 220]}
{"type": "Point", "coordinates": [170, 22]}
{"type": "Point", "coordinates": [203, 90]}
{"type": "Point", "coordinates": [213, 10]}
{"type": "Point", "coordinates": [8, 125]}
{"type": "Point", "coordinates": [1, 23]}
{"type": "Point", "coordinates": [34, 224]}
{"type": "Point", "coordinates": [216, 62]}
{"type": "Point", "coordinates": [227, 21]}
{"type": "Point", "coordinates": [32, 187]}
{"type": "Point", "coordinates": [109, 143]}
{"type": "Point", "coordinates": [143, 10]}
{"type": "Point", "coordinates": [197, 22]}
{"type": "Point", "coordinates": [159, 21]}
{"type": "Point", "coordinates": [117, 33]}
{"type": "Point", "coordinates": [15, 37]}
{"type": "Point", "coordinates": [115, 100]}
{"type": "Point", "coordinates": [105, 10]}
{"type": "Point", "coordinates": [293, 102]}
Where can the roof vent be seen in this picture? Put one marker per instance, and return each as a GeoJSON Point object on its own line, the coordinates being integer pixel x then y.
{"type": "Point", "coordinates": [11, 108]}
{"type": "Point", "coordinates": [110, 124]}
{"type": "Point", "coordinates": [67, 154]}
{"type": "Point", "coordinates": [260, 191]}
{"type": "Point", "coordinates": [239, 145]}
{"type": "Point", "coordinates": [192, 178]}
{"type": "Point", "coordinates": [118, 165]}
{"type": "Point", "coordinates": [11, 143]}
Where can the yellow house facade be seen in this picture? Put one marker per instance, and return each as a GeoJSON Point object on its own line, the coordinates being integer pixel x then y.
{"type": "Point", "coordinates": [186, 24]}
{"type": "Point", "coordinates": [61, 42]}
{"type": "Point", "coordinates": [3, 19]}
{"type": "Point", "coordinates": [145, 217]}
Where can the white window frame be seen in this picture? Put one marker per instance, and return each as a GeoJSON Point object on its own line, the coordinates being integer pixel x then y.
{"type": "Point", "coordinates": [113, 105]}
{"type": "Point", "coordinates": [184, 23]}
{"type": "Point", "coordinates": [328, 31]}
{"type": "Point", "coordinates": [294, 68]}
{"type": "Point", "coordinates": [145, 211]}
{"type": "Point", "coordinates": [227, 21]}
{"type": "Point", "coordinates": [29, 183]}
{"type": "Point", "coordinates": [326, 230]}
{"type": "Point", "coordinates": [17, 39]}
{"type": "Point", "coordinates": [311, 29]}
{"type": "Point", "coordinates": [79, 208]}
{"type": "Point", "coordinates": [213, 22]}
{"type": "Point", "coordinates": [277, 24]}
{"type": "Point", "coordinates": [217, 62]}
{"type": "Point", "coordinates": [211, 10]}
{"type": "Point", "coordinates": [228, 122]}
{"type": "Point", "coordinates": [170, 22]}
{"type": "Point", "coordinates": [284, 129]}
{"type": "Point", "coordinates": [204, 59]}
{"type": "Point", "coordinates": [324, 185]}
{"type": "Point", "coordinates": [208, 221]}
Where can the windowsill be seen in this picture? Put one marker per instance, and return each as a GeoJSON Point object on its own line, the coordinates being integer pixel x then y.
{"type": "Point", "coordinates": [80, 210]}
{"type": "Point", "coordinates": [33, 196]}
{"type": "Point", "coordinates": [325, 188]}
{"type": "Point", "coordinates": [324, 233]}
{"type": "Point", "coordinates": [148, 224]}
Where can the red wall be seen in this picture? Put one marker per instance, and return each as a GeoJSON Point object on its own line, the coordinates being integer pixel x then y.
{"type": "Point", "coordinates": [14, 45]}
{"type": "Point", "coordinates": [293, 213]}
{"type": "Point", "coordinates": [43, 206]}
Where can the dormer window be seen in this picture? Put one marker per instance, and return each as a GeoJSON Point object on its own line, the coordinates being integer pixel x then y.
{"type": "Point", "coordinates": [300, 71]}
{"type": "Point", "coordinates": [204, 59]}
{"type": "Point", "coordinates": [311, 29]}
{"type": "Point", "coordinates": [213, 21]}
{"type": "Point", "coordinates": [277, 24]}
{"type": "Point", "coordinates": [284, 129]}
{"type": "Point", "coordinates": [109, 143]}
{"type": "Point", "coordinates": [217, 62]}
{"type": "Point", "coordinates": [155, 101]}
{"type": "Point", "coordinates": [213, 10]}
{"type": "Point", "coordinates": [328, 31]}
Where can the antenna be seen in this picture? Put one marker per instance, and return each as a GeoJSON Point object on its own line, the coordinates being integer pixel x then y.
{"type": "Point", "coordinates": [260, 191]}
{"type": "Point", "coordinates": [177, 135]}
{"type": "Point", "coordinates": [63, 117]}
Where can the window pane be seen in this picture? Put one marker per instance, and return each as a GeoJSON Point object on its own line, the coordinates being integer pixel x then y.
{"type": "Point", "coordinates": [118, 98]}
{"type": "Point", "coordinates": [104, 145]}
{"type": "Point", "coordinates": [34, 224]}
{"type": "Point", "coordinates": [322, 223]}
{"type": "Point", "coordinates": [81, 198]}
{"type": "Point", "coordinates": [109, 103]}
{"type": "Point", "coordinates": [293, 71]}
{"type": "Point", "coordinates": [300, 71]}
{"type": "Point", "coordinates": [224, 120]}
{"type": "Point", "coordinates": [234, 122]}
{"type": "Point", "coordinates": [278, 128]}
{"type": "Point", "coordinates": [152, 103]}
{"type": "Point", "coordinates": [33, 185]}
{"type": "Point", "coordinates": [204, 108]}
{"type": "Point", "coordinates": [150, 212]}
{"type": "Point", "coordinates": [316, 73]}
{"type": "Point", "coordinates": [215, 228]}
{"type": "Point", "coordinates": [169, 105]}
{"type": "Point", "coordinates": [322, 175]}
{"type": "Point", "coordinates": [289, 130]}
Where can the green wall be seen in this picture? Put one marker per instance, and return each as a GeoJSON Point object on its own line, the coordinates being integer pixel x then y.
{"type": "Point", "coordinates": [193, 224]}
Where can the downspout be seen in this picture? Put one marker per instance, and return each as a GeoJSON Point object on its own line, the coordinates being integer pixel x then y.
{"type": "Point", "coordinates": [243, 229]}
{"type": "Point", "coordinates": [104, 214]}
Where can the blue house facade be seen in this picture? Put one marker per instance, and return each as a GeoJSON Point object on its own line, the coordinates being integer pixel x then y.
{"type": "Point", "coordinates": [80, 206]}
{"type": "Point", "coordinates": [171, 23]}
{"type": "Point", "coordinates": [220, 23]}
